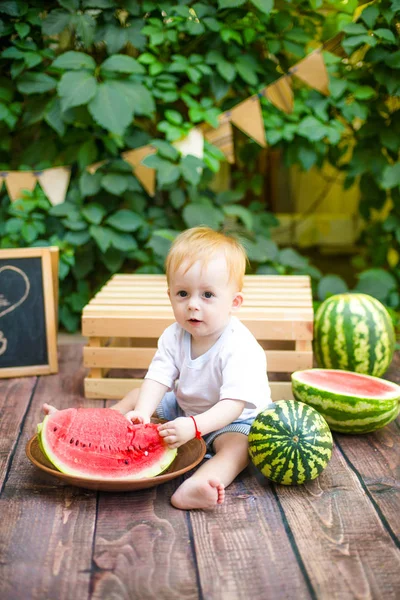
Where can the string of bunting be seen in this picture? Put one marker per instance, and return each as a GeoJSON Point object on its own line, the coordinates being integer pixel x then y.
{"type": "Point", "coordinates": [246, 116]}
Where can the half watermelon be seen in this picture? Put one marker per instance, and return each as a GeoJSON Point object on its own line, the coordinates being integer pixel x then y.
{"type": "Point", "coordinates": [350, 402]}
{"type": "Point", "coordinates": [101, 443]}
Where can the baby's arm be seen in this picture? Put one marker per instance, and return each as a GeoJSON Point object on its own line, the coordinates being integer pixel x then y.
{"type": "Point", "coordinates": [181, 430]}
{"type": "Point", "coordinates": [140, 408]}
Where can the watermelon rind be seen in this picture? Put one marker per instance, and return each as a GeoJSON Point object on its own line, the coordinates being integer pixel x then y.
{"type": "Point", "coordinates": [155, 469]}
{"type": "Point", "coordinates": [346, 411]}
{"type": "Point", "coordinates": [290, 443]}
{"type": "Point", "coordinates": [353, 332]}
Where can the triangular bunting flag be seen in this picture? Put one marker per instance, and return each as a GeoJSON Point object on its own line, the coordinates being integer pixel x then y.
{"type": "Point", "coordinates": [221, 137]}
{"type": "Point", "coordinates": [54, 183]}
{"type": "Point", "coordinates": [247, 116]}
{"type": "Point", "coordinates": [146, 175]}
{"type": "Point", "coordinates": [312, 71]}
{"type": "Point", "coordinates": [17, 181]}
{"type": "Point", "coordinates": [192, 144]}
{"type": "Point", "coordinates": [280, 94]}
{"type": "Point", "coordinates": [93, 168]}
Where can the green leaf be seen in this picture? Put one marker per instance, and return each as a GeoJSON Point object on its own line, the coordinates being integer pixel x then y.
{"type": "Point", "coordinates": [290, 258]}
{"type": "Point", "coordinates": [262, 250]}
{"type": "Point", "coordinates": [77, 238]}
{"type": "Point", "coordinates": [191, 169]}
{"type": "Point", "coordinates": [76, 88]}
{"type": "Point", "coordinates": [22, 29]}
{"type": "Point", "coordinates": [226, 70]}
{"type": "Point", "coordinates": [138, 95]}
{"type": "Point", "coordinates": [265, 6]}
{"type": "Point", "coordinates": [114, 183]}
{"type": "Point", "coordinates": [74, 61]}
{"type": "Point", "coordinates": [230, 3]}
{"type": "Point", "coordinates": [167, 173]}
{"type": "Point", "coordinates": [125, 220]}
{"type": "Point", "coordinates": [110, 109]}
{"type": "Point", "coordinates": [161, 240]}
{"type": "Point", "coordinates": [364, 92]}
{"type": "Point", "coordinates": [377, 283]}
{"type": "Point", "coordinates": [165, 149]}
{"type": "Point", "coordinates": [312, 129]}
{"type": "Point", "coordinates": [102, 236]}
{"type": "Point", "coordinates": [87, 153]}
{"type": "Point", "coordinates": [93, 213]}
{"type": "Point", "coordinates": [391, 176]}
{"type": "Point", "coordinates": [369, 15]}
{"type": "Point", "coordinates": [385, 34]}
{"type": "Point", "coordinates": [123, 241]}
{"type": "Point", "coordinates": [55, 22]}
{"type": "Point", "coordinates": [85, 26]}
{"type": "Point", "coordinates": [122, 63]}
{"type": "Point", "coordinates": [199, 214]}
{"type": "Point", "coordinates": [35, 83]}
{"type": "Point", "coordinates": [90, 185]}
{"type": "Point", "coordinates": [330, 285]}
{"type": "Point", "coordinates": [393, 60]}
{"type": "Point", "coordinates": [234, 210]}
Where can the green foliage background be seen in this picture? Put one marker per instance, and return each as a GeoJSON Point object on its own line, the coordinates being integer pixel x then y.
{"type": "Point", "coordinates": [84, 81]}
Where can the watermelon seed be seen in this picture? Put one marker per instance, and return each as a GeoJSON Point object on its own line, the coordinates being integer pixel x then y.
{"type": "Point", "coordinates": [71, 441]}
{"type": "Point", "coordinates": [127, 462]}
{"type": "Point", "coordinates": [77, 443]}
{"type": "Point", "coordinates": [55, 429]}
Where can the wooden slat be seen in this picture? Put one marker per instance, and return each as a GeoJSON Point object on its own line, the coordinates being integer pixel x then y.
{"type": "Point", "coordinates": [343, 544]}
{"type": "Point", "coordinates": [117, 388]}
{"type": "Point", "coordinates": [279, 361]}
{"type": "Point", "coordinates": [270, 279]}
{"type": "Point", "coordinates": [130, 302]}
{"type": "Point", "coordinates": [47, 529]}
{"type": "Point", "coordinates": [139, 326]}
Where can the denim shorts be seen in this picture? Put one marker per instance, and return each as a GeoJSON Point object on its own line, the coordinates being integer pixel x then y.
{"type": "Point", "coordinates": [169, 410]}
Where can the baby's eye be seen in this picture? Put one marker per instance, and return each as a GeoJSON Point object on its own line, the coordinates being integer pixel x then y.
{"type": "Point", "coordinates": [182, 293]}
{"type": "Point", "coordinates": [208, 294]}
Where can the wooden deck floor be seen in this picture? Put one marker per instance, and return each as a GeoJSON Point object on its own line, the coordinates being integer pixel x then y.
{"type": "Point", "coordinates": [337, 537]}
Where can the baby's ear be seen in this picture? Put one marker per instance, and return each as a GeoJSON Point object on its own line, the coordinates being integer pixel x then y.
{"type": "Point", "coordinates": [237, 301]}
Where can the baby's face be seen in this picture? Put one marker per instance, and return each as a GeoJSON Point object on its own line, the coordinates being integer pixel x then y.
{"type": "Point", "coordinates": [203, 298]}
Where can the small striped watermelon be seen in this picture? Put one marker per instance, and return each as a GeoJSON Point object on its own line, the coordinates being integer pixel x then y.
{"type": "Point", "coordinates": [353, 332]}
{"type": "Point", "coordinates": [290, 442]}
{"type": "Point", "coordinates": [350, 402]}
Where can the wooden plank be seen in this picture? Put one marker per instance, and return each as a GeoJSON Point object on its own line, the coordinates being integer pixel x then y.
{"type": "Point", "coordinates": [15, 396]}
{"type": "Point", "coordinates": [128, 301]}
{"type": "Point", "coordinates": [280, 361]}
{"type": "Point", "coordinates": [116, 388]}
{"type": "Point", "coordinates": [46, 528]}
{"type": "Point", "coordinates": [300, 280]}
{"type": "Point", "coordinates": [141, 326]}
{"type": "Point", "coordinates": [344, 546]}
{"type": "Point", "coordinates": [243, 550]}
{"type": "Point", "coordinates": [143, 548]}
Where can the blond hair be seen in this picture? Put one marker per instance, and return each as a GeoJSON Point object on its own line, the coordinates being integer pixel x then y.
{"type": "Point", "coordinates": [201, 244]}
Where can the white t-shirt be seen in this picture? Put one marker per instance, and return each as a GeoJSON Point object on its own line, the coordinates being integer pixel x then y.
{"type": "Point", "coordinates": [234, 367]}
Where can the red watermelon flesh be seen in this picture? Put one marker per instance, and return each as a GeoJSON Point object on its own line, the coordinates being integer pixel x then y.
{"type": "Point", "coordinates": [101, 443]}
{"type": "Point", "coordinates": [348, 382]}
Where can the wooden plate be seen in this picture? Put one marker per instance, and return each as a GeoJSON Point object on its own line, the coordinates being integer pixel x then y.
{"type": "Point", "coordinates": [189, 455]}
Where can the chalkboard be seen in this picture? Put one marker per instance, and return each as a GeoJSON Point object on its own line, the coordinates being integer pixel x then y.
{"type": "Point", "coordinates": [28, 311]}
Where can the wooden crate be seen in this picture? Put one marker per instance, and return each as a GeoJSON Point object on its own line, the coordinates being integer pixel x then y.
{"type": "Point", "coordinates": [126, 317]}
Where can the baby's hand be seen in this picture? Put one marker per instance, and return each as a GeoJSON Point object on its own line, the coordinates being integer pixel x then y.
{"type": "Point", "coordinates": [136, 417]}
{"type": "Point", "coordinates": [177, 432]}
{"type": "Point", "coordinates": [48, 409]}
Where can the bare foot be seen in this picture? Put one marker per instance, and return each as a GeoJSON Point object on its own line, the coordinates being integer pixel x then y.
{"type": "Point", "coordinates": [48, 409]}
{"type": "Point", "coordinates": [197, 493]}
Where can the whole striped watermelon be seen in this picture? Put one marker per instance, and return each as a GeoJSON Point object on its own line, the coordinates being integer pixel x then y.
{"type": "Point", "coordinates": [350, 402]}
{"type": "Point", "coordinates": [353, 332]}
{"type": "Point", "coordinates": [290, 442]}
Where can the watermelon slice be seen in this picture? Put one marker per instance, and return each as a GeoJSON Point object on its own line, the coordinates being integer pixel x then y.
{"type": "Point", "coordinates": [101, 443]}
{"type": "Point", "coordinates": [350, 402]}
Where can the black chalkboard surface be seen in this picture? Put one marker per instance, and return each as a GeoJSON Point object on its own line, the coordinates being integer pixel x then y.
{"type": "Point", "coordinates": [28, 328]}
